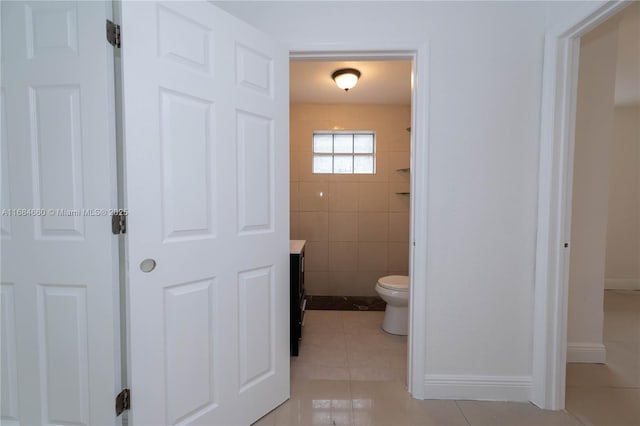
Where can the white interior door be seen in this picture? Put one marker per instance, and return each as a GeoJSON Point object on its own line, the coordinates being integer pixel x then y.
{"type": "Point", "coordinates": [206, 153]}
{"type": "Point", "coordinates": [59, 311]}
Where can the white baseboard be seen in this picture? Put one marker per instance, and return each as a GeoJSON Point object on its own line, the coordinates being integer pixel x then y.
{"type": "Point", "coordinates": [622, 284]}
{"type": "Point", "coordinates": [593, 353]}
{"type": "Point", "coordinates": [488, 388]}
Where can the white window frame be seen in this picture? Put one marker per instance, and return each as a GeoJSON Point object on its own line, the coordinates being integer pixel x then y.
{"type": "Point", "coordinates": [352, 154]}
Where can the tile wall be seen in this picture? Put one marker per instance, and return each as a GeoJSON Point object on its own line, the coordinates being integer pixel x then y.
{"type": "Point", "coordinates": [356, 226]}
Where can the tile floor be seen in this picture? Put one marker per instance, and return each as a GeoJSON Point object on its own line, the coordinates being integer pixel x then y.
{"type": "Point", "coordinates": [599, 394]}
{"type": "Point", "coordinates": [350, 372]}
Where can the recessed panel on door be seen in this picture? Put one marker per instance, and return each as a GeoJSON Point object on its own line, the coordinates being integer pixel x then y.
{"type": "Point", "coordinates": [256, 320]}
{"type": "Point", "coordinates": [9, 396]}
{"type": "Point", "coordinates": [189, 350]}
{"type": "Point", "coordinates": [56, 149]}
{"type": "Point", "coordinates": [254, 70]}
{"type": "Point", "coordinates": [63, 344]}
{"type": "Point", "coordinates": [255, 173]}
{"type": "Point", "coordinates": [52, 28]}
{"type": "Point", "coordinates": [192, 48]}
{"type": "Point", "coordinates": [188, 181]}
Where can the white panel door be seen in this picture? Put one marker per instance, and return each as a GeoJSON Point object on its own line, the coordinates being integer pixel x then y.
{"type": "Point", "coordinates": [59, 311]}
{"type": "Point", "coordinates": [206, 147]}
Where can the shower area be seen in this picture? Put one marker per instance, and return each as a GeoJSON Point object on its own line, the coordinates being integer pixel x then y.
{"type": "Point", "coordinates": [355, 222]}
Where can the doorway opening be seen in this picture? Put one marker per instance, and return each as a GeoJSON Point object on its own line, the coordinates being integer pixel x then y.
{"type": "Point", "coordinates": [357, 224]}
{"type": "Point", "coordinates": [558, 134]}
{"type": "Point", "coordinates": [605, 257]}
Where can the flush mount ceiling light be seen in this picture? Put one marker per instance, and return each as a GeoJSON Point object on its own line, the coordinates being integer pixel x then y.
{"type": "Point", "coordinates": [346, 78]}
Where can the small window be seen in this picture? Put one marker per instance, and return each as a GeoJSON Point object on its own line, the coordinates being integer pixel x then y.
{"type": "Point", "coordinates": [344, 152]}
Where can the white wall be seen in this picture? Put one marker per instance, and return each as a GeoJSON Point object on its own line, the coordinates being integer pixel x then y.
{"type": "Point", "coordinates": [622, 266]}
{"type": "Point", "coordinates": [593, 136]}
{"type": "Point", "coordinates": [485, 99]}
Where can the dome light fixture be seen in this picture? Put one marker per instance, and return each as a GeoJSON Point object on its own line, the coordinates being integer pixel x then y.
{"type": "Point", "coordinates": [346, 78]}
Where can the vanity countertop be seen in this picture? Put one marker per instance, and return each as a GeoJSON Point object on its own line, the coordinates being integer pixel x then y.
{"type": "Point", "coordinates": [296, 246]}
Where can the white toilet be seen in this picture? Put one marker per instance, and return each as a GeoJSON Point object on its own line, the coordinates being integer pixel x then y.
{"type": "Point", "coordinates": [394, 289]}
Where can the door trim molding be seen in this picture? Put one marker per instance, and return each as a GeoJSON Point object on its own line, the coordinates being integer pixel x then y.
{"type": "Point", "coordinates": [559, 90]}
{"type": "Point", "coordinates": [419, 54]}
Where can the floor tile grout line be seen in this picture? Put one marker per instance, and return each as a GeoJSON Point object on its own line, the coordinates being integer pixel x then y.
{"type": "Point", "coordinates": [462, 412]}
{"type": "Point", "coordinates": [353, 419]}
{"type": "Point", "coordinates": [574, 416]}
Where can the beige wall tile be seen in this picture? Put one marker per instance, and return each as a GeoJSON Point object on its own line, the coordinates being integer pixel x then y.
{"type": "Point", "coordinates": [305, 169]}
{"type": "Point", "coordinates": [366, 282]}
{"type": "Point", "coordinates": [294, 226]}
{"type": "Point", "coordinates": [293, 167]}
{"type": "Point", "coordinates": [313, 196]}
{"type": "Point", "coordinates": [317, 283]}
{"type": "Point", "coordinates": [343, 226]}
{"type": "Point", "coordinates": [373, 197]}
{"type": "Point", "coordinates": [294, 199]}
{"type": "Point", "coordinates": [399, 141]}
{"type": "Point", "coordinates": [398, 227]}
{"type": "Point", "coordinates": [398, 272]}
{"type": "Point", "coordinates": [373, 226]}
{"type": "Point", "coordinates": [343, 283]}
{"type": "Point", "coordinates": [399, 257]}
{"type": "Point", "coordinates": [314, 226]}
{"type": "Point", "coordinates": [343, 178]}
{"type": "Point", "coordinates": [399, 202]}
{"type": "Point", "coordinates": [372, 256]}
{"type": "Point", "coordinates": [398, 160]}
{"type": "Point", "coordinates": [349, 230]}
{"type": "Point", "coordinates": [316, 256]}
{"type": "Point", "coordinates": [343, 196]}
{"type": "Point", "coordinates": [343, 256]}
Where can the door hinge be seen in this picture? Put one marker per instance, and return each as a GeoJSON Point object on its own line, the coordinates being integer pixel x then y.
{"type": "Point", "coordinates": [118, 223]}
{"type": "Point", "coordinates": [113, 33]}
{"type": "Point", "coordinates": [123, 401]}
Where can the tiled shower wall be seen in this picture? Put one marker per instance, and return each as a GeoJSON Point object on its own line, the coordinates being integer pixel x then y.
{"type": "Point", "coordinates": [356, 226]}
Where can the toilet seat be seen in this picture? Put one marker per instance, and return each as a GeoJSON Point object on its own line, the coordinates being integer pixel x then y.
{"type": "Point", "coordinates": [395, 282]}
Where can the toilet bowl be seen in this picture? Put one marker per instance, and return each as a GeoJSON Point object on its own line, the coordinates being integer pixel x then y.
{"type": "Point", "coordinates": [394, 289]}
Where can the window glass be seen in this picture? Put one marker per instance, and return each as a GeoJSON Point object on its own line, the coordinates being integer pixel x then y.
{"type": "Point", "coordinates": [363, 144]}
{"type": "Point", "coordinates": [344, 152]}
{"type": "Point", "coordinates": [343, 164]}
{"type": "Point", "coordinates": [322, 164]}
{"type": "Point", "coordinates": [343, 144]}
{"type": "Point", "coordinates": [363, 164]}
{"type": "Point", "coordinates": [323, 143]}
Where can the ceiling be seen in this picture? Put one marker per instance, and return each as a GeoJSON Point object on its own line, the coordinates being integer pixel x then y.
{"type": "Point", "coordinates": [381, 82]}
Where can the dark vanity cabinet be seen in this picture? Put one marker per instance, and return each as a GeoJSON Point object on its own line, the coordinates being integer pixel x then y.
{"type": "Point", "coordinates": [297, 301]}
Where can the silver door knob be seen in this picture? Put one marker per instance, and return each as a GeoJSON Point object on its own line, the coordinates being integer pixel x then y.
{"type": "Point", "coordinates": [148, 265]}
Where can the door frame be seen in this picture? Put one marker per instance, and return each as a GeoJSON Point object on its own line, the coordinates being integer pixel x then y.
{"type": "Point", "coordinates": [419, 55]}
{"type": "Point", "coordinates": [555, 189]}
